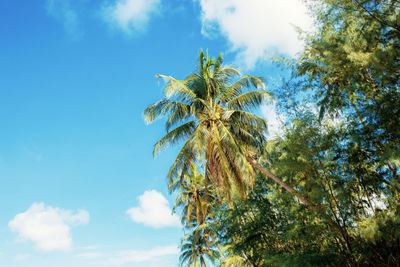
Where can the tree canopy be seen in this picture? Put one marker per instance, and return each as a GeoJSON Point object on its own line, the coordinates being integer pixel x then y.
{"type": "Point", "coordinates": [334, 193]}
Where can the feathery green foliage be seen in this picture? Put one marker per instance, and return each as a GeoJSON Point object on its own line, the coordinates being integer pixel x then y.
{"type": "Point", "coordinates": [211, 113]}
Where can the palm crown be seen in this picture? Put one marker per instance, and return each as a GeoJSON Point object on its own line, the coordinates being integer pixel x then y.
{"type": "Point", "coordinates": [191, 199]}
{"type": "Point", "coordinates": [212, 114]}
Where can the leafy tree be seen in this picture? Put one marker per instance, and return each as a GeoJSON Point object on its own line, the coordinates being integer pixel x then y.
{"type": "Point", "coordinates": [352, 63]}
{"type": "Point", "coordinates": [269, 227]}
{"type": "Point", "coordinates": [352, 68]}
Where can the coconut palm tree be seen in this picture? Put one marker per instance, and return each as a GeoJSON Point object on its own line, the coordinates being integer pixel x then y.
{"type": "Point", "coordinates": [197, 247]}
{"type": "Point", "coordinates": [191, 199]}
{"type": "Point", "coordinates": [212, 113]}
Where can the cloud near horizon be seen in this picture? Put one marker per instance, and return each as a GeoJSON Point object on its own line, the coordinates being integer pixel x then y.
{"type": "Point", "coordinates": [153, 211]}
{"type": "Point", "coordinates": [130, 256]}
{"type": "Point", "coordinates": [256, 28]}
{"type": "Point", "coordinates": [130, 15]}
{"type": "Point", "coordinates": [154, 254]}
{"type": "Point", "coordinates": [48, 227]}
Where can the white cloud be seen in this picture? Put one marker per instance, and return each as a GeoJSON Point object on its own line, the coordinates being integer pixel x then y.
{"type": "Point", "coordinates": [128, 256]}
{"type": "Point", "coordinates": [378, 202]}
{"type": "Point", "coordinates": [131, 15]}
{"type": "Point", "coordinates": [22, 257]}
{"type": "Point", "coordinates": [63, 12]}
{"type": "Point", "coordinates": [91, 247]}
{"type": "Point", "coordinates": [47, 227]}
{"type": "Point", "coordinates": [91, 255]}
{"type": "Point", "coordinates": [269, 113]}
{"type": "Point", "coordinates": [153, 211]}
{"type": "Point", "coordinates": [256, 28]}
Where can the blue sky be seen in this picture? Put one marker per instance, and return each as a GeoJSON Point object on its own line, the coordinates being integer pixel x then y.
{"type": "Point", "coordinates": [78, 183]}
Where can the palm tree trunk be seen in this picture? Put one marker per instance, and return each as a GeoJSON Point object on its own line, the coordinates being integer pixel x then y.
{"type": "Point", "coordinates": [247, 259]}
{"type": "Point", "coordinates": [281, 183]}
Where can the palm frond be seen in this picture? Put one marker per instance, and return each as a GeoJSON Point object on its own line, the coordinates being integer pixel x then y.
{"type": "Point", "coordinates": [165, 107]}
{"type": "Point", "coordinates": [235, 147]}
{"type": "Point", "coordinates": [177, 88]}
{"type": "Point", "coordinates": [233, 261]}
{"type": "Point", "coordinates": [237, 87]}
{"type": "Point", "coordinates": [241, 118]}
{"type": "Point", "coordinates": [230, 71]}
{"type": "Point", "coordinates": [179, 114]}
{"type": "Point", "coordinates": [190, 150]}
{"type": "Point", "coordinates": [174, 136]}
{"type": "Point", "coordinates": [248, 138]}
{"type": "Point", "coordinates": [249, 100]}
